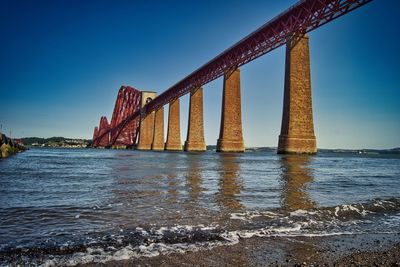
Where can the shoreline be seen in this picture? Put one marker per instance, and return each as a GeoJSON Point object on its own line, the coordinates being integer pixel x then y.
{"type": "Point", "coordinates": [341, 250]}
{"type": "Point", "coordinates": [9, 147]}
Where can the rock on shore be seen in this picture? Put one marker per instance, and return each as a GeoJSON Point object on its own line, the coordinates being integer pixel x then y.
{"type": "Point", "coordinates": [9, 147]}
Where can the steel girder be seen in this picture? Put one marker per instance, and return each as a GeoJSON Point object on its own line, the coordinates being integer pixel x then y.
{"type": "Point", "coordinates": [127, 103]}
{"type": "Point", "coordinates": [104, 130]}
{"type": "Point", "coordinates": [124, 127]}
{"type": "Point", "coordinates": [301, 18]}
{"type": "Point", "coordinates": [95, 136]}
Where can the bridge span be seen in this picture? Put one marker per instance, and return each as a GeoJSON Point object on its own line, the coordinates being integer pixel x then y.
{"type": "Point", "coordinates": [138, 117]}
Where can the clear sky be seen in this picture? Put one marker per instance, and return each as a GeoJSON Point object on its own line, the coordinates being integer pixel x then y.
{"type": "Point", "coordinates": [62, 63]}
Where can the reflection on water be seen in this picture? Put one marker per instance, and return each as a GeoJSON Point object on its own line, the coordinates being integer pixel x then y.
{"type": "Point", "coordinates": [50, 198]}
{"type": "Point", "coordinates": [296, 176]}
{"type": "Point", "coordinates": [173, 182]}
{"type": "Point", "coordinates": [194, 180]}
{"type": "Point", "coordinates": [230, 183]}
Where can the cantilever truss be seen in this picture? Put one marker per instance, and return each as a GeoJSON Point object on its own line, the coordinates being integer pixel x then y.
{"type": "Point", "coordinates": [95, 134]}
{"type": "Point", "coordinates": [301, 18]}
{"type": "Point", "coordinates": [127, 103]}
{"type": "Point", "coordinates": [120, 132]}
{"type": "Point", "coordinates": [102, 133]}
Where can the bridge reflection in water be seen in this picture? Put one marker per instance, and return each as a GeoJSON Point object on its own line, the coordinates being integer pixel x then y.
{"type": "Point", "coordinates": [194, 181]}
{"type": "Point", "coordinates": [225, 183]}
{"type": "Point", "coordinates": [296, 175]}
{"type": "Point", "coordinates": [230, 183]}
{"type": "Point", "coordinates": [203, 188]}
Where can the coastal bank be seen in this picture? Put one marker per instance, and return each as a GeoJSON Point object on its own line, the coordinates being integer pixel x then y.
{"type": "Point", "coordinates": [9, 146]}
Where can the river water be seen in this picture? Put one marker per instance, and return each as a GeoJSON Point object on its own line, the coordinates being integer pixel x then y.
{"type": "Point", "coordinates": [71, 206]}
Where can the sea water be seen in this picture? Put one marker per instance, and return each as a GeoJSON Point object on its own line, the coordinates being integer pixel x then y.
{"type": "Point", "coordinates": [74, 206]}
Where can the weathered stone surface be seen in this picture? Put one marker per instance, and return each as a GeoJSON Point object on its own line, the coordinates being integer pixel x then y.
{"type": "Point", "coordinates": [158, 137]}
{"type": "Point", "coordinates": [230, 135]}
{"type": "Point", "coordinates": [195, 135]}
{"type": "Point", "coordinates": [10, 147]}
{"type": "Point", "coordinates": [4, 151]}
{"type": "Point", "coordinates": [2, 138]}
{"type": "Point", "coordinates": [146, 127]}
{"type": "Point", "coordinates": [174, 129]}
{"type": "Point", "coordinates": [297, 131]}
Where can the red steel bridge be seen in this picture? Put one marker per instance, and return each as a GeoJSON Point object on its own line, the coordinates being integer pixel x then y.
{"type": "Point", "coordinates": [123, 129]}
{"type": "Point", "coordinates": [301, 18]}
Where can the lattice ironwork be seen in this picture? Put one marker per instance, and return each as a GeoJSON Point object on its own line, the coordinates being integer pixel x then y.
{"type": "Point", "coordinates": [127, 103]}
{"type": "Point", "coordinates": [120, 132]}
{"type": "Point", "coordinates": [303, 17]}
{"type": "Point", "coordinates": [95, 136]}
{"type": "Point", "coordinates": [103, 138]}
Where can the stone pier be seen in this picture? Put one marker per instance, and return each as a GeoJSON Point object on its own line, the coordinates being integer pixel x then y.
{"type": "Point", "coordinates": [297, 131]}
{"type": "Point", "coordinates": [158, 136]}
{"type": "Point", "coordinates": [230, 135]}
{"type": "Point", "coordinates": [174, 129]}
{"type": "Point", "coordinates": [195, 134]}
{"type": "Point", "coordinates": [146, 127]}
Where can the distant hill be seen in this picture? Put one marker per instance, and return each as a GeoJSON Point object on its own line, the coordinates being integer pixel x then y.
{"type": "Point", "coordinates": [55, 142]}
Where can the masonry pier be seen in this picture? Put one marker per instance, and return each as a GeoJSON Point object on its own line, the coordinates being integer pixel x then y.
{"type": "Point", "coordinates": [146, 127]}
{"type": "Point", "coordinates": [195, 134]}
{"type": "Point", "coordinates": [230, 135]}
{"type": "Point", "coordinates": [158, 136]}
{"type": "Point", "coordinates": [174, 129]}
{"type": "Point", "coordinates": [297, 130]}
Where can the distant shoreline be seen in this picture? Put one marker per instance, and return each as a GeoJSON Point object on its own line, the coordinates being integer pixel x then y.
{"type": "Point", "coordinates": [85, 143]}
{"type": "Point", "coordinates": [56, 142]}
{"type": "Point", "coordinates": [248, 150]}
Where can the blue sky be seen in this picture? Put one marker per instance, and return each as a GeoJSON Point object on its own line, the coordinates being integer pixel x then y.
{"type": "Point", "coordinates": [62, 63]}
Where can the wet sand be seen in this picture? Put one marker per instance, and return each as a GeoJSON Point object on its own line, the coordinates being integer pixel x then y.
{"type": "Point", "coordinates": [351, 250]}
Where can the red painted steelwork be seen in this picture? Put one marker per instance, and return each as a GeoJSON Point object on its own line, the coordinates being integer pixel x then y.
{"type": "Point", "coordinates": [124, 127]}
{"type": "Point", "coordinates": [127, 103]}
{"type": "Point", "coordinates": [301, 18]}
{"type": "Point", "coordinates": [104, 130]}
{"type": "Point", "coordinates": [95, 135]}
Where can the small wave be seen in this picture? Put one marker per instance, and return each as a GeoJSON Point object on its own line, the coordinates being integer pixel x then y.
{"type": "Point", "coordinates": [249, 215]}
{"type": "Point", "coordinates": [341, 212]}
{"type": "Point", "coordinates": [137, 242]}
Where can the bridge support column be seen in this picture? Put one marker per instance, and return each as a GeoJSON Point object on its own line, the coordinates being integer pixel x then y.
{"type": "Point", "coordinates": [195, 133]}
{"type": "Point", "coordinates": [297, 130]}
{"type": "Point", "coordinates": [146, 128]}
{"type": "Point", "coordinates": [174, 129]}
{"type": "Point", "coordinates": [230, 135]}
{"type": "Point", "coordinates": [158, 137]}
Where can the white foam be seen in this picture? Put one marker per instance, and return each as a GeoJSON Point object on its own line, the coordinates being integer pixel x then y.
{"type": "Point", "coordinates": [294, 225]}
{"type": "Point", "coordinates": [249, 215]}
{"type": "Point", "coordinates": [48, 263]}
{"type": "Point", "coordinates": [361, 211]}
{"type": "Point", "coordinates": [301, 212]}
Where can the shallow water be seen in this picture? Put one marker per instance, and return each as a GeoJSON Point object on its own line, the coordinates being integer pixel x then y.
{"type": "Point", "coordinates": [64, 206]}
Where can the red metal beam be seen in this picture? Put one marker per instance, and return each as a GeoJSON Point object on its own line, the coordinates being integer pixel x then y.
{"type": "Point", "coordinates": [127, 103]}
{"type": "Point", "coordinates": [104, 130]}
{"type": "Point", "coordinates": [95, 136]}
{"type": "Point", "coordinates": [303, 17]}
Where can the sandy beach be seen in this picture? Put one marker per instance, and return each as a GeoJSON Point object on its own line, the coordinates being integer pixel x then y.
{"type": "Point", "coordinates": [351, 250]}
